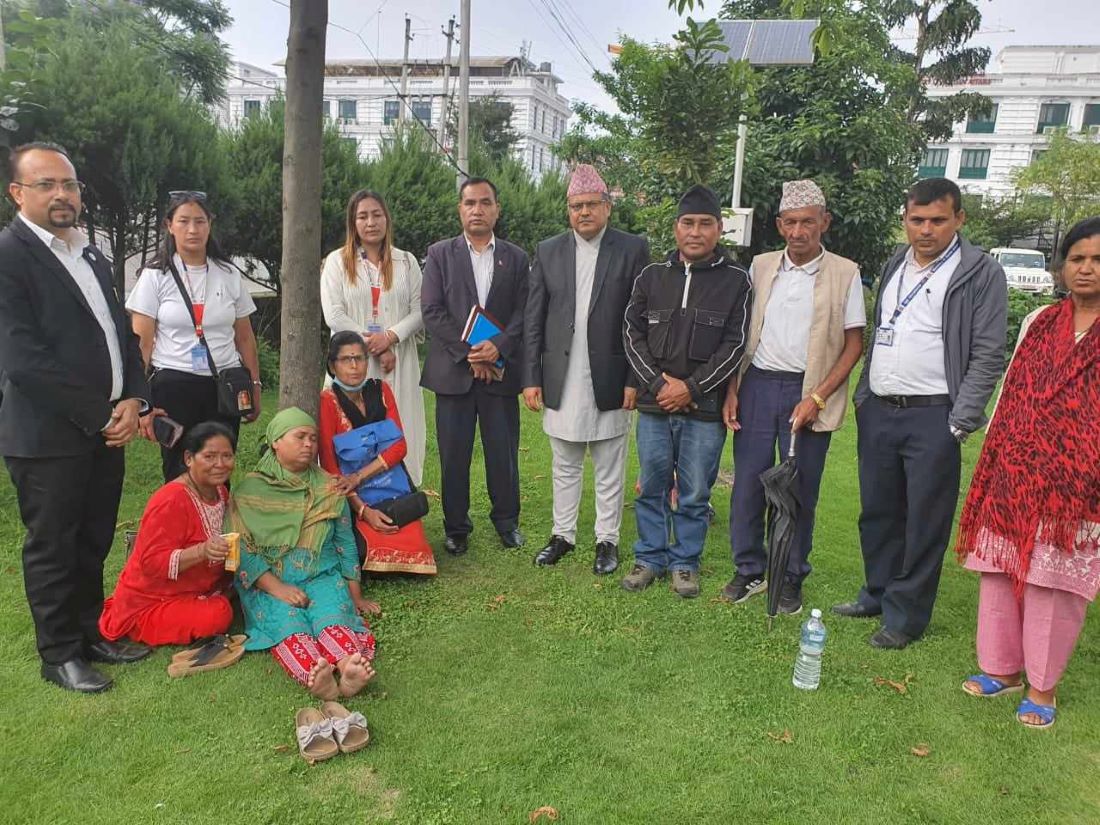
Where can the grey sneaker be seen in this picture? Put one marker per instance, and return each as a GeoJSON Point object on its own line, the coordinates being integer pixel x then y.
{"type": "Point", "coordinates": [685, 583]}
{"type": "Point", "coordinates": [742, 588]}
{"type": "Point", "coordinates": [639, 578]}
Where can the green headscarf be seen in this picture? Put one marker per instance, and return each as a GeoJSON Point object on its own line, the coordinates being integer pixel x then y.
{"type": "Point", "coordinates": [277, 510]}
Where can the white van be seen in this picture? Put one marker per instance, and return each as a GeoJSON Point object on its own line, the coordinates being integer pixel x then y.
{"type": "Point", "coordinates": [1025, 269]}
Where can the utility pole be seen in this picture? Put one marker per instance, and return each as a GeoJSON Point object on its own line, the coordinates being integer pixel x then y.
{"type": "Point", "coordinates": [405, 72]}
{"type": "Point", "coordinates": [443, 106]}
{"type": "Point", "coordinates": [464, 92]}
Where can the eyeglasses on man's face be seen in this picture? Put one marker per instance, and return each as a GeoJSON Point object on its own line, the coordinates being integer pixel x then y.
{"type": "Point", "coordinates": [48, 186]}
{"type": "Point", "coordinates": [591, 206]}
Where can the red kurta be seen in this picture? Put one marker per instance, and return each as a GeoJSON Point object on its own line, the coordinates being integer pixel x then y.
{"type": "Point", "coordinates": [407, 550]}
{"type": "Point", "coordinates": [155, 602]}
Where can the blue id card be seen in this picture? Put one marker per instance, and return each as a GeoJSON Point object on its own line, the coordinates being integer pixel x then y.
{"type": "Point", "coordinates": [199, 362]}
{"type": "Point", "coordinates": [374, 329]}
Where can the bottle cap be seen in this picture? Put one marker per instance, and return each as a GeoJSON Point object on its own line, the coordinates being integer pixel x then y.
{"type": "Point", "coordinates": [816, 613]}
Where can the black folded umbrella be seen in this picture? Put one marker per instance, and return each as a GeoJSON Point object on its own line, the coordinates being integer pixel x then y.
{"type": "Point", "coordinates": [781, 493]}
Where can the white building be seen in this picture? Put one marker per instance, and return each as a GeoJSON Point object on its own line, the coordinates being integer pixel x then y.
{"type": "Point", "coordinates": [1035, 90]}
{"type": "Point", "coordinates": [363, 97]}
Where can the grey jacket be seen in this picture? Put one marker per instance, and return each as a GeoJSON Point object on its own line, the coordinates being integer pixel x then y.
{"type": "Point", "coordinates": [975, 325]}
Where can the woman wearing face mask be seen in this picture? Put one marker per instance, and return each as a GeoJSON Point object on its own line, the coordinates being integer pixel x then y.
{"type": "Point", "coordinates": [355, 401]}
{"type": "Point", "coordinates": [371, 287]}
{"type": "Point", "coordinates": [182, 385]}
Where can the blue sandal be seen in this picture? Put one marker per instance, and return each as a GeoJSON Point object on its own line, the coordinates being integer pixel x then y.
{"type": "Point", "coordinates": [1044, 712]}
{"type": "Point", "coordinates": [990, 687]}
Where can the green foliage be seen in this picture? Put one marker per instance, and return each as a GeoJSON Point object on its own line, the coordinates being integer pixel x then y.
{"type": "Point", "coordinates": [269, 363]}
{"type": "Point", "coordinates": [1020, 305]}
{"type": "Point", "coordinates": [254, 154]}
{"type": "Point", "coordinates": [490, 124]}
{"type": "Point", "coordinates": [1068, 172]}
{"type": "Point", "coordinates": [991, 222]}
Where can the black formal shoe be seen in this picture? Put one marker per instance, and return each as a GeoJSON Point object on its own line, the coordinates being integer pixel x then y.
{"type": "Point", "coordinates": [607, 558]}
{"type": "Point", "coordinates": [553, 551]}
{"type": "Point", "coordinates": [76, 674]}
{"type": "Point", "coordinates": [512, 538]}
{"type": "Point", "coordinates": [855, 610]}
{"type": "Point", "coordinates": [455, 545]}
{"type": "Point", "coordinates": [886, 639]}
{"type": "Point", "coordinates": [790, 598]}
{"type": "Point", "coordinates": [117, 653]}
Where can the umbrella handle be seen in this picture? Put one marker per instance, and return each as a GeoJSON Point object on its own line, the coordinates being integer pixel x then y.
{"type": "Point", "coordinates": [790, 451]}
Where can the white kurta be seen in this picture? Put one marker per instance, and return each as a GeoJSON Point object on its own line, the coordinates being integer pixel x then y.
{"type": "Point", "coordinates": [349, 307]}
{"type": "Point", "coordinates": [578, 418]}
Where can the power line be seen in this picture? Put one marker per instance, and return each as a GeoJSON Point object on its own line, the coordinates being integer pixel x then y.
{"type": "Point", "coordinates": [570, 50]}
{"type": "Point", "coordinates": [601, 48]}
{"type": "Point", "coordinates": [558, 16]}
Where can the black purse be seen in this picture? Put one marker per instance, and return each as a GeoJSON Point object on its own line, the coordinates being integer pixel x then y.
{"type": "Point", "coordinates": [404, 509]}
{"type": "Point", "coordinates": [235, 388]}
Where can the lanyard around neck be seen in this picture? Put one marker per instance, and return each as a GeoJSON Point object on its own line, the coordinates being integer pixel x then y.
{"type": "Point", "coordinates": [902, 303]}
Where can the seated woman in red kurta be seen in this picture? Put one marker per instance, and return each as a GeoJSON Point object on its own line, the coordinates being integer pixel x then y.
{"type": "Point", "coordinates": [174, 585]}
{"type": "Point", "coordinates": [353, 402]}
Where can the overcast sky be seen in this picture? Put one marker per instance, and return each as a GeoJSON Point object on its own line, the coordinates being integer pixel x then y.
{"type": "Point", "coordinates": [500, 27]}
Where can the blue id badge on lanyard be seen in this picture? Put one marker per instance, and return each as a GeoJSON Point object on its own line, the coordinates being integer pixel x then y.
{"type": "Point", "coordinates": [884, 337]}
{"type": "Point", "coordinates": [199, 361]}
{"type": "Point", "coordinates": [374, 329]}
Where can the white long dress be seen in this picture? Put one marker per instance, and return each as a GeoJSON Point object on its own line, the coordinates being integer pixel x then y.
{"type": "Point", "coordinates": [349, 307]}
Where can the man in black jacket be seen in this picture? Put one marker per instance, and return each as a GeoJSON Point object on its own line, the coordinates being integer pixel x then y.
{"type": "Point", "coordinates": [685, 332]}
{"type": "Point", "coordinates": [73, 388]}
{"type": "Point", "coordinates": [476, 269]}
{"type": "Point", "coordinates": [574, 362]}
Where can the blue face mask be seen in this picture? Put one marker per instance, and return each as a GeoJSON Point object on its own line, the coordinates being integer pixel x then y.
{"type": "Point", "coordinates": [349, 387]}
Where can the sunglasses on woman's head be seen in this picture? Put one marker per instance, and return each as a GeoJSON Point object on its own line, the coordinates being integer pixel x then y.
{"type": "Point", "coordinates": [187, 193]}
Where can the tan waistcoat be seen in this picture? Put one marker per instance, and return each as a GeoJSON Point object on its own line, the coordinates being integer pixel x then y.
{"type": "Point", "coordinates": [831, 285]}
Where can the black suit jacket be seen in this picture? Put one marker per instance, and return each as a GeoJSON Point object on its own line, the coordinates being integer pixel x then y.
{"type": "Point", "coordinates": [551, 311]}
{"type": "Point", "coordinates": [54, 363]}
{"type": "Point", "coordinates": [447, 295]}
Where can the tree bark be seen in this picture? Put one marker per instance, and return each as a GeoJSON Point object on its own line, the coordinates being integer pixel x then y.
{"type": "Point", "coordinates": [300, 351]}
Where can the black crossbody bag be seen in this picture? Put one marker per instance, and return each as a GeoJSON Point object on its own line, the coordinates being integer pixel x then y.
{"type": "Point", "coordinates": [234, 385]}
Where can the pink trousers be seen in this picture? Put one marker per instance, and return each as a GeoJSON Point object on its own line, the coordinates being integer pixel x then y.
{"type": "Point", "coordinates": [1035, 634]}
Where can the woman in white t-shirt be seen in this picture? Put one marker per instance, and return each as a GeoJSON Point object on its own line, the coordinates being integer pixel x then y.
{"type": "Point", "coordinates": [181, 383]}
{"type": "Point", "coordinates": [371, 287]}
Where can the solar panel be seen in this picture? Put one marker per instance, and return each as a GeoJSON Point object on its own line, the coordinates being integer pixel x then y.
{"type": "Point", "coordinates": [768, 42]}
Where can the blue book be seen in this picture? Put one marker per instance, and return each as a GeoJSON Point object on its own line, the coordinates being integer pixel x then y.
{"type": "Point", "coordinates": [481, 327]}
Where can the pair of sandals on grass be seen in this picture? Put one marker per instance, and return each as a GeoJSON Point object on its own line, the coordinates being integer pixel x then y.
{"type": "Point", "coordinates": [989, 687]}
{"type": "Point", "coordinates": [324, 733]}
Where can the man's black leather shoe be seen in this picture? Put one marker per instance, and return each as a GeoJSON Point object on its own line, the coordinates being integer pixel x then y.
{"type": "Point", "coordinates": [886, 639]}
{"type": "Point", "coordinates": [455, 545]}
{"type": "Point", "coordinates": [855, 610]}
{"type": "Point", "coordinates": [607, 558]}
{"type": "Point", "coordinates": [117, 653]}
{"type": "Point", "coordinates": [512, 538]}
{"type": "Point", "coordinates": [76, 674]}
{"type": "Point", "coordinates": [553, 551]}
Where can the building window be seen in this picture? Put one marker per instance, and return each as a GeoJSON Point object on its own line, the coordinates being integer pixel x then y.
{"type": "Point", "coordinates": [543, 128]}
{"type": "Point", "coordinates": [534, 117]}
{"type": "Point", "coordinates": [390, 110]}
{"type": "Point", "coordinates": [326, 109]}
{"type": "Point", "coordinates": [542, 157]}
{"type": "Point", "coordinates": [1036, 154]}
{"type": "Point", "coordinates": [984, 125]}
{"type": "Point", "coordinates": [252, 107]}
{"type": "Point", "coordinates": [933, 164]}
{"type": "Point", "coordinates": [974, 164]}
{"type": "Point", "coordinates": [1052, 115]}
{"type": "Point", "coordinates": [422, 111]}
{"type": "Point", "coordinates": [1092, 116]}
{"type": "Point", "coordinates": [347, 110]}
{"type": "Point", "coordinates": [352, 142]}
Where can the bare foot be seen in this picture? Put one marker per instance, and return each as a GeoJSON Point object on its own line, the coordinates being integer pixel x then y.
{"type": "Point", "coordinates": [355, 672]}
{"type": "Point", "coordinates": [321, 682]}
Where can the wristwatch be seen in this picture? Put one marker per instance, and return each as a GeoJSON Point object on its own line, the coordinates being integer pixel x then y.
{"type": "Point", "coordinates": [960, 435]}
{"type": "Point", "coordinates": [818, 400]}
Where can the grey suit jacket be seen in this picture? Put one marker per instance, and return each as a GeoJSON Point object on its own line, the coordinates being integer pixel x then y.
{"type": "Point", "coordinates": [447, 294]}
{"type": "Point", "coordinates": [551, 310]}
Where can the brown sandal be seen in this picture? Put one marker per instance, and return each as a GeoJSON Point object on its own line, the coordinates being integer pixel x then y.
{"type": "Point", "coordinates": [349, 727]}
{"type": "Point", "coordinates": [219, 641]}
{"type": "Point", "coordinates": [314, 732]}
{"type": "Point", "coordinates": [214, 655]}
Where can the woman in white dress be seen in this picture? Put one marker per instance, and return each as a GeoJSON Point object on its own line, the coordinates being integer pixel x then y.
{"type": "Point", "coordinates": [370, 287]}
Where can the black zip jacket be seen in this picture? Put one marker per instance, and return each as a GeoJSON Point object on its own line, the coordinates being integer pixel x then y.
{"type": "Point", "coordinates": [690, 321]}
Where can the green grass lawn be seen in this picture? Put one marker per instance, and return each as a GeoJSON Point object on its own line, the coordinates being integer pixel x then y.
{"type": "Point", "coordinates": [503, 688]}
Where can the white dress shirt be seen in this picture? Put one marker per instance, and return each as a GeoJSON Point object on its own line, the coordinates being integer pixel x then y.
{"type": "Point", "coordinates": [482, 262]}
{"type": "Point", "coordinates": [578, 418]}
{"type": "Point", "coordinates": [914, 363]}
{"type": "Point", "coordinates": [69, 251]}
{"type": "Point", "coordinates": [785, 337]}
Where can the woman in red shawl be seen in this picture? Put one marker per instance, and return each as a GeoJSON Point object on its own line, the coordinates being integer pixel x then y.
{"type": "Point", "coordinates": [173, 587]}
{"type": "Point", "coordinates": [1031, 523]}
{"type": "Point", "coordinates": [353, 402]}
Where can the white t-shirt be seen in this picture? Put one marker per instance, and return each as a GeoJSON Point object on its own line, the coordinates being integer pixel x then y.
{"type": "Point", "coordinates": [914, 362]}
{"type": "Point", "coordinates": [785, 338]}
{"type": "Point", "coordinates": [224, 298]}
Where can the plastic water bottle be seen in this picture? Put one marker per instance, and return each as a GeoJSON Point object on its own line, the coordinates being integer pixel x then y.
{"type": "Point", "coordinates": [807, 667]}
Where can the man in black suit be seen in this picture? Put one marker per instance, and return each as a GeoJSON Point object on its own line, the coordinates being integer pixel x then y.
{"type": "Point", "coordinates": [476, 269]}
{"type": "Point", "coordinates": [574, 362]}
{"type": "Point", "coordinates": [73, 388]}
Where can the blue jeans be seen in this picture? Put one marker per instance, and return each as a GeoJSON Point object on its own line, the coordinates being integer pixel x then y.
{"type": "Point", "coordinates": [685, 451]}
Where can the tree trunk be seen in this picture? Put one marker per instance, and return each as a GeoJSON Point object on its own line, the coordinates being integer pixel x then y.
{"type": "Point", "coordinates": [300, 351]}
